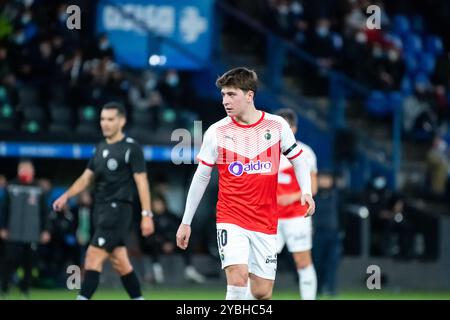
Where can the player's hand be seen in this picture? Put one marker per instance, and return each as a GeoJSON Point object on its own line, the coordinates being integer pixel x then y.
{"type": "Point", "coordinates": [59, 203]}
{"type": "Point", "coordinates": [4, 234]}
{"type": "Point", "coordinates": [183, 235]}
{"type": "Point", "coordinates": [307, 198]}
{"type": "Point", "coordinates": [147, 226]}
{"type": "Point", "coordinates": [45, 237]}
{"type": "Point", "coordinates": [286, 199]}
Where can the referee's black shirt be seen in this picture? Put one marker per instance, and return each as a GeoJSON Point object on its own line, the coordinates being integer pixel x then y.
{"type": "Point", "coordinates": [113, 166]}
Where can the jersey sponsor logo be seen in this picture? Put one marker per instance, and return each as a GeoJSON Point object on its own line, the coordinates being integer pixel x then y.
{"type": "Point", "coordinates": [238, 168]}
{"type": "Point", "coordinates": [112, 164]}
{"type": "Point", "coordinates": [270, 259]}
{"type": "Point", "coordinates": [105, 153]}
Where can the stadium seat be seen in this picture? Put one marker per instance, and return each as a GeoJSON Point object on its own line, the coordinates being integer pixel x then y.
{"type": "Point", "coordinates": [32, 126]}
{"type": "Point", "coordinates": [28, 95]}
{"type": "Point", "coordinates": [422, 79]}
{"type": "Point", "coordinates": [394, 101]}
{"type": "Point", "coordinates": [3, 95]}
{"type": "Point", "coordinates": [88, 114]}
{"type": "Point", "coordinates": [434, 45]}
{"type": "Point", "coordinates": [410, 63]}
{"type": "Point", "coordinates": [61, 113]}
{"type": "Point", "coordinates": [417, 24]}
{"type": "Point", "coordinates": [7, 118]}
{"type": "Point", "coordinates": [406, 86]}
{"type": "Point", "coordinates": [376, 104]}
{"type": "Point", "coordinates": [412, 43]}
{"type": "Point", "coordinates": [427, 62]}
{"type": "Point", "coordinates": [35, 112]}
{"type": "Point", "coordinates": [141, 118]}
{"type": "Point", "coordinates": [88, 124]}
{"type": "Point", "coordinates": [400, 24]}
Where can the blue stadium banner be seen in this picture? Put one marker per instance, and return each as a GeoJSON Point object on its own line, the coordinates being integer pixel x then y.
{"type": "Point", "coordinates": [177, 31]}
{"type": "Point", "coordinates": [76, 151]}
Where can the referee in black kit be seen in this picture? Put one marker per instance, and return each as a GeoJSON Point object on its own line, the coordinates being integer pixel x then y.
{"type": "Point", "coordinates": [117, 161]}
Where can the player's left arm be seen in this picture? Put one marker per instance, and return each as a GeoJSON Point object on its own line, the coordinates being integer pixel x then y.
{"type": "Point", "coordinates": [293, 152]}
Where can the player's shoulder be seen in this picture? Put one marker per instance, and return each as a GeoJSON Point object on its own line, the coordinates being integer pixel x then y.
{"type": "Point", "coordinates": [128, 141]}
{"type": "Point", "coordinates": [274, 117]}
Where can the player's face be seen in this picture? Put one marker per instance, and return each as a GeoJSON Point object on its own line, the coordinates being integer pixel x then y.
{"type": "Point", "coordinates": [235, 101]}
{"type": "Point", "coordinates": [111, 122]}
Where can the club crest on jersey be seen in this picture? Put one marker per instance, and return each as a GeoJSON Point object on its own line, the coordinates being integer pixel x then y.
{"type": "Point", "coordinates": [237, 168]}
{"type": "Point", "coordinates": [112, 164]}
{"type": "Point", "coordinates": [267, 135]}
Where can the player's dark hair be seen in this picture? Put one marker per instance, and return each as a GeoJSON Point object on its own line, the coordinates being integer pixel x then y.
{"type": "Point", "coordinates": [25, 160]}
{"type": "Point", "coordinates": [289, 115]}
{"type": "Point", "coordinates": [121, 111]}
{"type": "Point", "coordinates": [239, 78]}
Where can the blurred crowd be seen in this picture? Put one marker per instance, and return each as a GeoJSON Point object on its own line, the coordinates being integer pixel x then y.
{"type": "Point", "coordinates": [52, 78]}
{"type": "Point", "coordinates": [407, 58]}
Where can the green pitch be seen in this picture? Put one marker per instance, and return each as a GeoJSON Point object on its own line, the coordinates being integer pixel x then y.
{"type": "Point", "coordinates": [219, 294]}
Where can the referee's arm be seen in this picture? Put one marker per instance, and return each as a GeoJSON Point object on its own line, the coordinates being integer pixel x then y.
{"type": "Point", "coordinates": [79, 185]}
{"type": "Point", "coordinates": [144, 196]}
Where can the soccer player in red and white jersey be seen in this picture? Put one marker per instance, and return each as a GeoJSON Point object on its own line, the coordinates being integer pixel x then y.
{"type": "Point", "coordinates": [294, 229]}
{"type": "Point", "coordinates": [246, 147]}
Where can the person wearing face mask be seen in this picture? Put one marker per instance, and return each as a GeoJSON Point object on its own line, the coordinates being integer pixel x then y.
{"type": "Point", "coordinates": [104, 47]}
{"type": "Point", "coordinates": [23, 224]}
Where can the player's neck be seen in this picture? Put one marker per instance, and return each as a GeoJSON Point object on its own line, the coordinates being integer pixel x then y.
{"type": "Point", "coordinates": [115, 138]}
{"type": "Point", "coordinates": [250, 117]}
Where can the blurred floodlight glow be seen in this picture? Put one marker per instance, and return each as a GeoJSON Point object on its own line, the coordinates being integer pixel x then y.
{"type": "Point", "coordinates": [157, 60]}
{"type": "Point", "coordinates": [364, 212]}
{"type": "Point", "coordinates": [154, 60]}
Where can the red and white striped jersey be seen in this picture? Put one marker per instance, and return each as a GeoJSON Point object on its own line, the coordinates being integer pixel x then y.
{"type": "Point", "coordinates": [247, 158]}
{"type": "Point", "coordinates": [287, 183]}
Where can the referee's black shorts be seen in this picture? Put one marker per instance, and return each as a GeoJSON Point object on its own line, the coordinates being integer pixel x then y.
{"type": "Point", "coordinates": [112, 222]}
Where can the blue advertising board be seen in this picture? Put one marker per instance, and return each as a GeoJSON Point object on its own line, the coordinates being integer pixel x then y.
{"type": "Point", "coordinates": [178, 31]}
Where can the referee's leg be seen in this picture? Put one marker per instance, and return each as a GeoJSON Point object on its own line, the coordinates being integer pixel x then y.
{"type": "Point", "coordinates": [93, 265]}
{"type": "Point", "coordinates": [121, 263]}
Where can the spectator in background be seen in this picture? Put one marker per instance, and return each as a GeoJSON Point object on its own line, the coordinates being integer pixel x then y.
{"type": "Point", "coordinates": [438, 166]}
{"type": "Point", "coordinates": [173, 90]}
{"type": "Point", "coordinates": [327, 247]}
{"type": "Point", "coordinates": [146, 101]}
{"type": "Point", "coordinates": [163, 242]}
{"type": "Point", "coordinates": [319, 43]}
{"type": "Point", "coordinates": [64, 248]}
{"type": "Point", "coordinates": [23, 224]}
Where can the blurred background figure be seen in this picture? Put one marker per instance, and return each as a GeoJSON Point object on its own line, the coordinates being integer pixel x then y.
{"type": "Point", "coordinates": [23, 224]}
{"type": "Point", "coordinates": [438, 166]}
{"type": "Point", "coordinates": [327, 240]}
{"type": "Point", "coordinates": [163, 242]}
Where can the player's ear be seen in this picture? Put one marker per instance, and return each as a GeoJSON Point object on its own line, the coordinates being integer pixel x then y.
{"type": "Point", "coordinates": [123, 121]}
{"type": "Point", "coordinates": [250, 95]}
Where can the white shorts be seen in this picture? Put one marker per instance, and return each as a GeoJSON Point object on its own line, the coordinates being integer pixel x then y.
{"type": "Point", "coordinates": [296, 233]}
{"type": "Point", "coordinates": [241, 246]}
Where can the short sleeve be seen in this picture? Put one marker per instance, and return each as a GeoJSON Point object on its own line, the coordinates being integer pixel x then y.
{"type": "Point", "coordinates": [208, 152]}
{"type": "Point", "coordinates": [90, 164]}
{"type": "Point", "coordinates": [311, 158]}
{"type": "Point", "coordinates": [136, 159]}
{"type": "Point", "coordinates": [289, 146]}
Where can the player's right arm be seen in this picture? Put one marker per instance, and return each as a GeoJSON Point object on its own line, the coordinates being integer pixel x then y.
{"type": "Point", "coordinates": [207, 156]}
{"type": "Point", "coordinates": [198, 186]}
{"type": "Point", "coordinates": [79, 185]}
